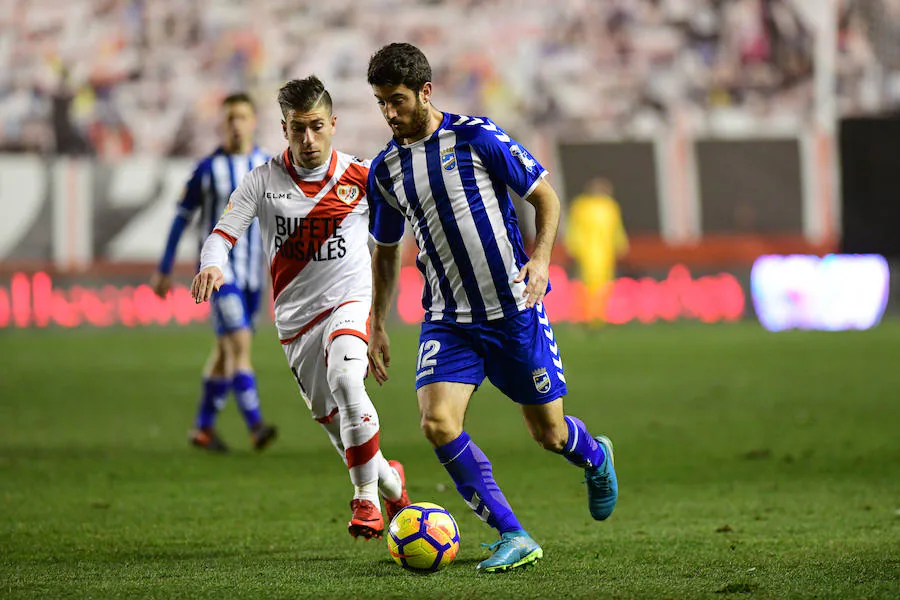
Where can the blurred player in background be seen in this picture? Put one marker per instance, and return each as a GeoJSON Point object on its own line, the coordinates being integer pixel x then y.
{"type": "Point", "coordinates": [448, 175]}
{"type": "Point", "coordinates": [313, 211]}
{"type": "Point", "coordinates": [596, 239]}
{"type": "Point", "coordinates": [235, 304]}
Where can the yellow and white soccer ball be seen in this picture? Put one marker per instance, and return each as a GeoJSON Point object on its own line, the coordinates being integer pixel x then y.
{"type": "Point", "coordinates": [423, 537]}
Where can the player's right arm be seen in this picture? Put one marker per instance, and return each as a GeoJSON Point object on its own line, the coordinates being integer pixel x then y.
{"type": "Point", "coordinates": [386, 227]}
{"type": "Point", "coordinates": [161, 280]}
{"type": "Point", "coordinates": [239, 213]}
{"type": "Point", "coordinates": [385, 272]}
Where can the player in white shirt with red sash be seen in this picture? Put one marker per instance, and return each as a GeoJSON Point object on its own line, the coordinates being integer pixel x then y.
{"type": "Point", "coordinates": [313, 214]}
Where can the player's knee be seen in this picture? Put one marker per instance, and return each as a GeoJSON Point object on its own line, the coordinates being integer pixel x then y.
{"type": "Point", "coordinates": [218, 360]}
{"type": "Point", "coordinates": [240, 341]}
{"type": "Point", "coordinates": [337, 382]}
{"type": "Point", "coordinates": [439, 430]}
{"type": "Point", "coordinates": [226, 347]}
{"type": "Point", "coordinates": [218, 363]}
{"type": "Point", "coordinates": [342, 380]}
{"type": "Point", "coordinates": [553, 439]}
{"type": "Point", "coordinates": [242, 352]}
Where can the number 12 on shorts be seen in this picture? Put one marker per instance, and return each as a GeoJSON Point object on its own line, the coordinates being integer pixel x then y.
{"type": "Point", "coordinates": [426, 361]}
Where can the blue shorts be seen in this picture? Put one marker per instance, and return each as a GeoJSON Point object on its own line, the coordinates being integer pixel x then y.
{"type": "Point", "coordinates": [233, 308]}
{"type": "Point", "coordinates": [519, 355]}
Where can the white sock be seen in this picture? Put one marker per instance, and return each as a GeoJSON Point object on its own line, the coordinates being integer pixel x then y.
{"type": "Point", "coordinates": [359, 419]}
{"type": "Point", "coordinates": [367, 491]}
{"type": "Point", "coordinates": [333, 429]}
{"type": "Point", "coordinates": [389, 483]}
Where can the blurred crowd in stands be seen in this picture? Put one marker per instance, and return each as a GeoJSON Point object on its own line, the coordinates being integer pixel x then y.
{"type": "Point", "coordinates": [116, 77]}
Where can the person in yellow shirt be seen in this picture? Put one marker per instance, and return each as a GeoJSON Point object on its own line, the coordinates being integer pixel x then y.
{"type": "Point", "coordinates": [595, 238]}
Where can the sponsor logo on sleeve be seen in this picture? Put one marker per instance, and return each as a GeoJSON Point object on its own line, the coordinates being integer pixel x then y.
{"type": "Point", "coordinates": [523, 157]}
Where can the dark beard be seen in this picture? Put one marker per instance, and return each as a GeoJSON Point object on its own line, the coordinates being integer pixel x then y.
{"type": "Point", "coordinates": [418, 125]}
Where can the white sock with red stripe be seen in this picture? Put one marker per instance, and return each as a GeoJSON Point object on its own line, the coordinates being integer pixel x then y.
{"type": "Point", "coordinates": [389, 482]}
{"type": "Point", "coordinates": [359, 420]}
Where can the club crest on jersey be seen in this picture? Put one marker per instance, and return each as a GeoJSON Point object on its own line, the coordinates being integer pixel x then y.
{"type": "Point", "coordinates": [541, 380]}
{"type": "Point", "coordinates": [347, 193]}
{"type": "Point", "coordinates": [448, 159]}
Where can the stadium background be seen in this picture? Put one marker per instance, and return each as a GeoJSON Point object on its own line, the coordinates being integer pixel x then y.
{"type": "Point", "coordinates": [731, 129]}
{"type": "Point", "coordinates": [719, 123]}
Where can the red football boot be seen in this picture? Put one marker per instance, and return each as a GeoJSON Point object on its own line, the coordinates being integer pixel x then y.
{"type": "Point", "coordinates": [392, 507]}
{"type": "Point", "coordinates": [366, 521]}
{"type": "Point", "coordinates": [262, 435]}
{"type": "Point", "coordinates": [207, 439]}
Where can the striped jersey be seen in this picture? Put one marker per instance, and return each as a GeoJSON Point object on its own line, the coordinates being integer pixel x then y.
{"type": "Point", "coordinates": [209, 188]}
{"type": "Point", "coordinates": [453, 188]}
{"type": "Point", "coordinates": [314, 236]}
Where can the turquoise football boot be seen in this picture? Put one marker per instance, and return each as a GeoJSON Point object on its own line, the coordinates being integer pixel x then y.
{"type": "Point", "coordinates": [602, 485]}
{"type": "Point", "coordinates": [513, 549]}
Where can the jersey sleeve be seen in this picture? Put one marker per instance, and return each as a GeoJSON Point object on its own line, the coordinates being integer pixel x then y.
{"type": "Point", "coordinates": [508, 160]}
{"type": "Point", "coordinates": [168, 258]}
{"type": "Point", "coordinates": [241, 209]}
{"type": "Point", "coordinates": [385, 220]}
{"type": "Point", "coordinates": [214, 252]}
{"type": "Point", "coordinates": [187, 205]}
{"type": "Point", "coordinates": [193, 193]}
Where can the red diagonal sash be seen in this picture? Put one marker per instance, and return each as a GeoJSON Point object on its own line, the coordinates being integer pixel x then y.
{"type": "Point", "coordinates": [284, 269]}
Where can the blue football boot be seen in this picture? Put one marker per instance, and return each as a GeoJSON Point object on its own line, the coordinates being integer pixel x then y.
{"type": "Point", "coordinates": [513, 549]}
{"type": "Point", "coordinates": [602, 485]}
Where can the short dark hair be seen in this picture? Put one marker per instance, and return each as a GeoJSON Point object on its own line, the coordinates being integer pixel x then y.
{"type": "Point", "coordinates": [399, 63]}
{"type": "Point", "coordinates": [239, 98]}
{"type": "Point", "coordinates": [303, 95]}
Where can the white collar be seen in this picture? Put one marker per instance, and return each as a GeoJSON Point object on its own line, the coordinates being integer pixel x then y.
{"type": "Point", "coordinates": [316, 174]}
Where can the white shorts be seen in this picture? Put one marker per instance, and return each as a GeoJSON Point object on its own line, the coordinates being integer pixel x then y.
{"type": "Point", "coordinates": [307, 354]}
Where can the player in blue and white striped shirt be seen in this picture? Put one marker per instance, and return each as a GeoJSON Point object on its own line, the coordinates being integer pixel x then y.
{"type": "Point", "coordinates": [448, 176]}
{"type": "Point", "coordinates": [235, 304]}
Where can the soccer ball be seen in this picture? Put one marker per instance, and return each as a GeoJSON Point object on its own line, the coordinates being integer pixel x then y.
{"type": "Point", "coordinates": [423, 537]}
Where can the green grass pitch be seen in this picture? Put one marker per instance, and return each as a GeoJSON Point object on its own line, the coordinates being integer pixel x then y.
{"type": "Point", "coordinates": [751, 465]}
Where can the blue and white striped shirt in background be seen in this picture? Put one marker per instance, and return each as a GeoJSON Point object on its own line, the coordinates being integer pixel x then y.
{"type": "Point", "coordinates": [453, 188]}
{"type": "Point", "coordinates": [209, 189]}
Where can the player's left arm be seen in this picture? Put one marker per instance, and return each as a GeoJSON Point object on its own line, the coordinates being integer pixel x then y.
{"type": "Point", "coordinates": [517, 168]}
{"type": "Point", "coordinates": [546, 221]}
